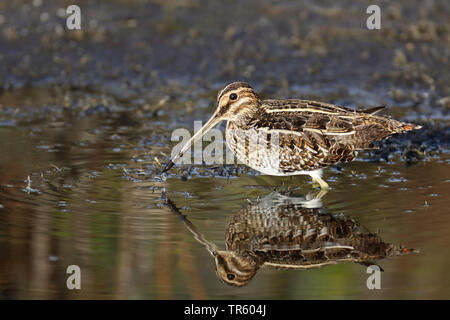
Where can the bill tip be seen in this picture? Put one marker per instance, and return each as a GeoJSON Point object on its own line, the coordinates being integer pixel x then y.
{"type": "Point", "coordinates": [168, 166]}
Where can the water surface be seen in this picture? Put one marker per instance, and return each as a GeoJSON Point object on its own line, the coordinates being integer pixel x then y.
{"type": "Point", "coordinates": [86, 119]}
{"type": "Point", "coordinates": [87, 192]}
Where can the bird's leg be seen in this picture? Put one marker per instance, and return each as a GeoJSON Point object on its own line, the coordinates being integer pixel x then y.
{"type": "Point", "coordinates": [321, 194]}
{"type": "Point", "coordinates": [315, 183]}
{"type": "Point", "coordinates": [319, 182]}
{"type": "Point", "coordinates": [314, 200]}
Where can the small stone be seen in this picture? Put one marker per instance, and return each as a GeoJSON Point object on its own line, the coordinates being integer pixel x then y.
{"type": "Point", "coordinates": [410, 47]}
{"type": "Point", "coordinates": [397, 94]}
{"type": "Point", "coordinates": [10, 34]}
{"type": "Point", "coordinates": [44, 16]}
{"type": "Point", "coordinates": [427, 79]}
{"type": "Point", "coordinates": [400, 58]}
{"type": "Point", "coordinates": [445, 102]}
{"type": "Point", "coordinates": [61, 12]}
{"type": "Point", "coordinates": [365, 55]}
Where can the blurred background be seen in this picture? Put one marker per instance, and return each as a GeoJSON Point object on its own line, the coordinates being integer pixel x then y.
{"type": "Point", "coordinates": [86, 118]}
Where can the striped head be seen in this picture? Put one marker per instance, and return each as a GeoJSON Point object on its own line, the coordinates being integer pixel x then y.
{"type": "Point", "coordinates": [233, 269]}
{"type": "Point", "coordinates": [236, 100]}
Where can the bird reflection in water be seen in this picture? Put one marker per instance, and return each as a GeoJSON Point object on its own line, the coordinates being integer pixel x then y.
{"type": "Point", "coordinates": [286, 232]}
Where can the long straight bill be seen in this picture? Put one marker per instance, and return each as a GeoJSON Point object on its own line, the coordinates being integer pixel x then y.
{"type": "Point", "coordinates": [208, 125]}
{"type": "Point", "coordinates": [211, 247]}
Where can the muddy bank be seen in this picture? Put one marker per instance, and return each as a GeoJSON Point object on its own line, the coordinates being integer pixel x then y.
{"type": "Point", "coordinates": [186, 49]}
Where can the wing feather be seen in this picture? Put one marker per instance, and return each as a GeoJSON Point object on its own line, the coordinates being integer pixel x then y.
{"type": "Point", "coordinates": [313, 135]}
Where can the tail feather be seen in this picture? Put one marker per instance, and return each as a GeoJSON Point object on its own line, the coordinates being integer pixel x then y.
{"type": "Point", "coordinates": [404, 127]}
{"type": "Point", "coordinates": [398, 250]}
{"type": "Point", "coordinates": [379, 128]}
{"type": "Point", "coordinates": [411, 126]}
{"type": "Point", "coordinates": [373, 110]}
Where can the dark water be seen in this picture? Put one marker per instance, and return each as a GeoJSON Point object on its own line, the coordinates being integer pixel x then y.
{"type": "Point", "coordinates": [86, 120]}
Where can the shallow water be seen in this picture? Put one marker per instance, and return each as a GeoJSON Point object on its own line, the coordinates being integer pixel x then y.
{"type": "Point", "coordinates": [94, 199]}
{"type": "Point", "coordinates": [86, 119]}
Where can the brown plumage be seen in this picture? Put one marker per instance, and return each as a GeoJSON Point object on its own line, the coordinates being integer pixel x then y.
{"type": "Point", "coordinates": [290, 136]}
{"type": "Point", "coordinates": [280, 232]}
{"type": "Point", "coordinates": [286, 232]}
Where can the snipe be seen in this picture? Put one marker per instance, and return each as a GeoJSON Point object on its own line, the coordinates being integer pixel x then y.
{"type": "Point", "coordinates": [280, 232]}
{"type": "Point", "coordinates": [289, 137]}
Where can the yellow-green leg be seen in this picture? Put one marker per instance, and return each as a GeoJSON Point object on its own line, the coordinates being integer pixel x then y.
{"type": "Point", "coordinates": [321, 194]}
{"type": "Point", "coordinates": [319, 182]}
{"type": "Point", "coordinates": [315, 184]}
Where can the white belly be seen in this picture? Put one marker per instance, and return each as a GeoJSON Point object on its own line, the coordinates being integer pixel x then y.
{"type": "Point", "coordinates": [259, 153]}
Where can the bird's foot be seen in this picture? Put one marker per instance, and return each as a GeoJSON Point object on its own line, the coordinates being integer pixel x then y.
{"type": "Point", "coordinates": [319, 182]}
{"type": "Point", "coordinates": [321, 194]}
{"type": "Point", "coordinates": [315, 183]}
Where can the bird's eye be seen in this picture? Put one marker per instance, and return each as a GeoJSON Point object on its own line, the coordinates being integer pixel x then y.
{"type": "Point", "coordinates": [230, 276]}
{"type": "Point", "coordinates": [233, 96]}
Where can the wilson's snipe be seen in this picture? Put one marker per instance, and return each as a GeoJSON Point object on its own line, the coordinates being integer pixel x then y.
{"type": "Point", "coordinates": [291, 137]}
{"type": "Point", "coordinates": [278, 231]}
